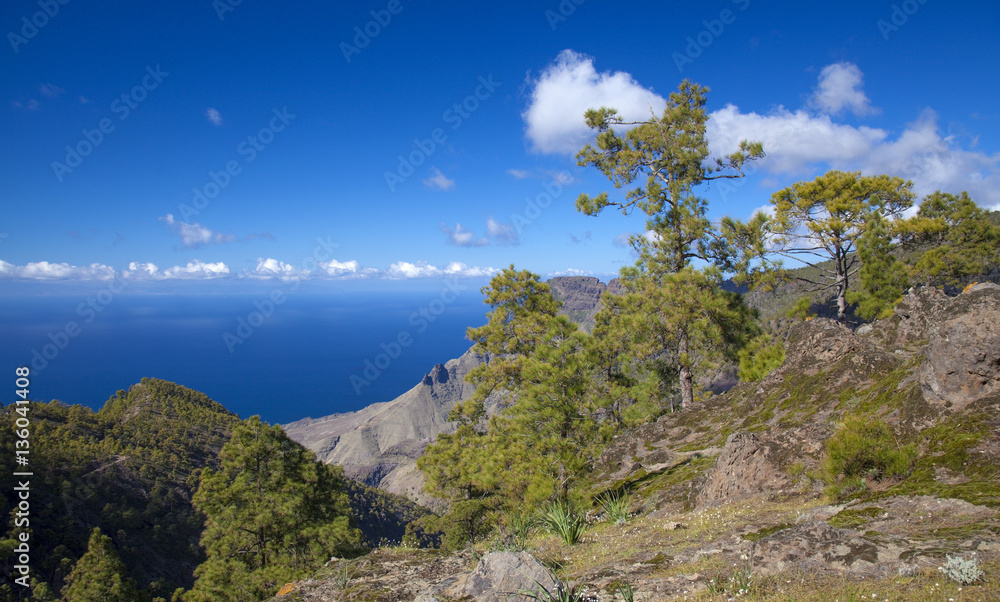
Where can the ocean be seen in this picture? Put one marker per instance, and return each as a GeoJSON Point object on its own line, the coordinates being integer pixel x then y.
{"type": "Point", "coordinates": [283, 358]}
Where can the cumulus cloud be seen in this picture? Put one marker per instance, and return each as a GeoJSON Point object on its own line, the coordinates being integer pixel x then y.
{"type": "Point", "coordinates": [499, 233]}
{"type": "Point", "coordinates": [43, 270]}
{"type": "Point", "coordinates": [502, 233]}
{"type": "Point", "coordinates": [571, 272]}
{"type": "Point", "coordinates": [439, 181]}
{"type": "Point", "coordinates": [799, 144]}
{"type": "Point", "coordinates": [214, 116]}
{"type": "Point", "coordinates": [198, 270]}
{"type": "Point", "coordinates": [346, 269]}
{"type": "Point", "coordinates": [193, 270]}
{"type": "Point", "coordinates": [422, 269]}
{"type": "Point", "coordinates": [272, 268]}
{"type": "Point", "coordinates": [840, 88]}
{"type": "Point", "coordinates": [566, 89]}
{"type": "Point", "coordinates": [195, 235]}
{"type": "Point", "coordinates": [462, 237]}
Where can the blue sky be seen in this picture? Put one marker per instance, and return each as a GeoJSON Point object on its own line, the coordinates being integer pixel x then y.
{"type": "Point", "coordinates": [200, 145]}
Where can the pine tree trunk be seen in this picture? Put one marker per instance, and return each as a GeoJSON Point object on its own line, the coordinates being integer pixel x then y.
{"type": "Point", "coordinates": [841, 287]}
{"type": "Point", "coordinates": [687, 381]}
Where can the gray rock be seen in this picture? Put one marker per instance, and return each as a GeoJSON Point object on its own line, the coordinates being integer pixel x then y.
{"type": "Point", "coordinates": [743, 468]}
{"type": "Point", "coordinates": [501, 575]}
{"type": "Point", "coordinates": [962, 358]}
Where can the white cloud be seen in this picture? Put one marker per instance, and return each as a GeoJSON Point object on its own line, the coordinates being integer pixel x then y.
{"type": "Point", "coordinates": [197, 270]}
{"type": "Point", "coordinates": [438, 181]}
{"type": "Point", "coordinates": [839, 88]}
{"type": "Point", "coordinates": [346, 269]}
{"type": "Point", "coordinates": [499, 233]}
{"type": "Point", "coordinates": [51, 91]}
{"type": "Point", "coordinates": [43, 270]}
{"type": "Point", "coordinates": [570, 272]}
{"type": "Point", "coordinates": [193, 270]}
{"type": "Point", "coordinates": [214, 116]}
{"type": "Point", "coordinates": [272, 268]}
{"type": "Point", "coordinates": [795, 143]}
{"type": "Point", "coordinates": [462, 237]}
{"type": "Point", "coordinates": [141, 271]}
{"type": "Point", "coordinates": [457, 269]}
{"type": "Point", "coordinates": [422, 269]}
{"type": "Point", "coordinates": [801, 144]}
{"type": "Point", "coordinates": [520, 174]}
{"type": "Point", "coordinates": [502, 233]}
{"type": "Point", "coordinates": [567, 88]}
{"type": "Point", "coordinates": [195, 235]}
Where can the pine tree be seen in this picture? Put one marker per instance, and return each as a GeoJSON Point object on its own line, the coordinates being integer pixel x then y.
{"type": "Point", "coordinates": [671, 152]}
{"type": "Point", "coordinates": [882, 277]}
{"type": "Point", "coordinates": [955, 238]}
{"type": "Point", "coordinates": [99, 575]}
{"type": "Point", "coordinates": [273, 514]}
{"type": "Point", "coordinates": [824, 219]}
{"type": "Point", "coordinates": [540, 441]}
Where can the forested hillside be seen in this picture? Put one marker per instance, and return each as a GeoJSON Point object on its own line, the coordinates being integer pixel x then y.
{"type": "Point", "coordinates": [132, 470]}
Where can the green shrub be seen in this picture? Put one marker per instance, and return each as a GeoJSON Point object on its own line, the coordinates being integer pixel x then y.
{"type": "Point", "coordinates": [759, 357]}
{"type": "Point", "coordinates": [864, 449]}
{"type": "Point", "coordinates": [564, 522]}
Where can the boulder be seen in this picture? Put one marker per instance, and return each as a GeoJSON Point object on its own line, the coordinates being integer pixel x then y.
{"type": "Point", "coordinates": [962, 358]}
{"type": "Point", "coordinates": [501, 575]}
{"type": "Point", "coordinates": [742, 469]}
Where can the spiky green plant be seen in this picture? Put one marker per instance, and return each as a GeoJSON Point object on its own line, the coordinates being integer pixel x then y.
{"type": "Point", "coordinates": [562, 520]}
{"type": "Point", "coordinates": [559, 594]}
{"type": "Point", "coordinates": [615, 505]}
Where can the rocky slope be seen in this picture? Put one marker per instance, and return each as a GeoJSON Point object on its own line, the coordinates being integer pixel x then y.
{"type": "Point", "coordinates": [379, 444]}
{"type": "Point", "coordinates": [729, 498]}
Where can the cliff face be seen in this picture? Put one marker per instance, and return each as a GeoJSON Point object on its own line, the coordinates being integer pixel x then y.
{"type": "Point", "coordinates": [379, 444]}
{"type": "Point", "coordinates": [581, 297]}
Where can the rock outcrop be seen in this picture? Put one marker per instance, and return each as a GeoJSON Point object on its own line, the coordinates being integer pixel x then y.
{"type": "Point", "coordinates": [379, 444]}
{"type": "Point", "coordinates": [580, 297]}
{"type": "Point", "coordinates": [502, 576]}
{"type": "Point", "coordinates": [962, 363]}
{"type": "Point", "coordinates": [742, 468]}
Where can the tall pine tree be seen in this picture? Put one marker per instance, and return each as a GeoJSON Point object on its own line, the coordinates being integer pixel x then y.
{"type": "Point", "coordinates": [99, 575]}
{"type": "Point", "coordinates": [669, 157]}
{"type": "Point", "coordinates": [273, 515]}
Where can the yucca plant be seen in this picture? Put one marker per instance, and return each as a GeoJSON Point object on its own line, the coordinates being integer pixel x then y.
{"type": "Point", "coordinates": [625, 590]}
{"type": "Point", "coordinates": [615, 505]}
{"type": "Point", "coordinates": [559, 594]}
{"type": "Point", "coordinates": [515, 528]}
{"type": "Point", "coordinates": [563, 521]}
